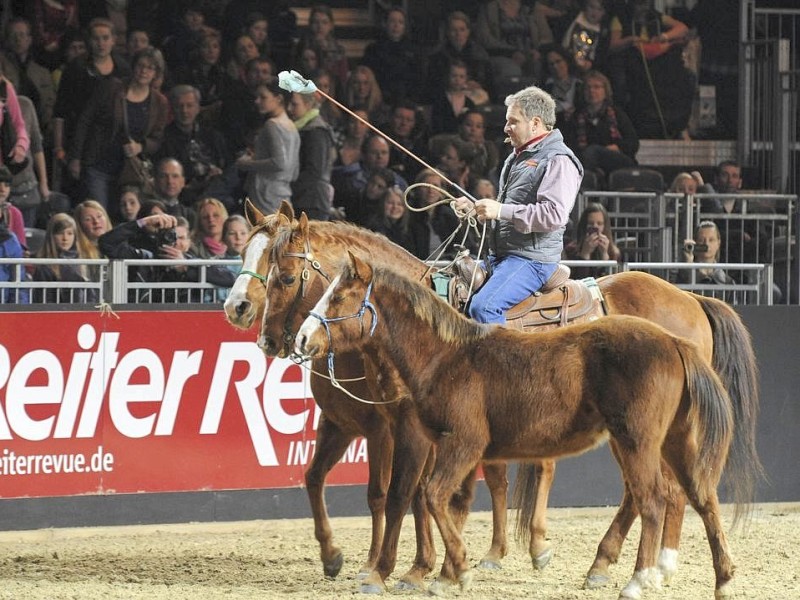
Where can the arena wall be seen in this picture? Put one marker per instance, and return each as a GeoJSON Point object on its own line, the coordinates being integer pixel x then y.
{"type": "Point", "coordinates": [588, 480]}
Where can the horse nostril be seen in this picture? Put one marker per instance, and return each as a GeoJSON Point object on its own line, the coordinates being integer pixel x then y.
{"type": "Point", "coordinates": [242, 307]}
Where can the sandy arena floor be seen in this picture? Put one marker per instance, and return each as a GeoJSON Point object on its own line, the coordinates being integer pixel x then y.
{"type": "Point", "coordinates": [279, 559]}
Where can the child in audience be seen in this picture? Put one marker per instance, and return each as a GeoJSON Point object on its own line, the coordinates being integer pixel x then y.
{"type": "Point", "coordinates": [130, 203]}
{"type": "Point", "coordinates": [61, 242]}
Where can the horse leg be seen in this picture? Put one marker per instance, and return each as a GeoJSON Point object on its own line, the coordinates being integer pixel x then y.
{"type": "Point", "coordinates": [456, 460]}
{"type": "Point", "coordinates": [330, 446]}
{"type": "Point", "coordinates": [380, 446]}
{"type": "Point", "coordinates": [702, 494]}
{"type": "Point", "coordinates": [673, 524]}
{"type": "Point", "coordinates": [610, 546]}
{"type": "Point", "coordinates": [459, 509]}
{"type": "Point", "coordinates": [642, 470]}
{"type": "Point", "coordinates": [539, 548]}
{"type": "Point", "coordinates": [413, 451]}
{"type": "Point", "coordinates": [495, 475]}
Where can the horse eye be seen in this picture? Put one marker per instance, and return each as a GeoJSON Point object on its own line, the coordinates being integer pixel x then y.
{"type": "Point", "coordinates": [287, 279]}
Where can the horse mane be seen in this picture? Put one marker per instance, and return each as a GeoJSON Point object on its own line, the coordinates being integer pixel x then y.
{"type": "Point", "coordinates": [390, 253]}
{"type": "Point", "coordinates": [447, 323]}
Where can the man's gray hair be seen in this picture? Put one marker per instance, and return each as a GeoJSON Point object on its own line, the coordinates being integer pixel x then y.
{"type": "Point", "coordinates": [181, 90]}
{"type": "Point", "coordinates": [534, 102]}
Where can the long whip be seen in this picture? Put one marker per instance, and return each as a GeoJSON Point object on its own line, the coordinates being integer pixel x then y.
{"type": "Point", "coordinates": [292, 81]}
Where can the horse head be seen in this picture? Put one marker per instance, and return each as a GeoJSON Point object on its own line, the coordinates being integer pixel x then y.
{"type": "Point", "coordinates": [344, 317]}
{"type": "Point", "coordinates": [245, 303]}
{"type": "Point", "coordinates": [297, 279]}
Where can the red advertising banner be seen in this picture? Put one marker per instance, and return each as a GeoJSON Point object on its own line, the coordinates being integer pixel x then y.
{"type": "Point", "coordinates": [151, 402]}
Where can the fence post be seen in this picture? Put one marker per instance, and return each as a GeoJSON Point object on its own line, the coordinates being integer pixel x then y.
{"type": "Point", "coordinates": [118, 277]}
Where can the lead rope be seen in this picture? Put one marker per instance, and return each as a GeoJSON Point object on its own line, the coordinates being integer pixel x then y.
{"type": "Point", "coordinates": [325, 322]}
{"type": "Point", "coordinates": [463, 217]}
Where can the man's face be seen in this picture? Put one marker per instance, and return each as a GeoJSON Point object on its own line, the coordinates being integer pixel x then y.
{"type": "Point", "coordinates": [102, 41]}
{"type": "Point", "coordinates": [20, 38]}
{"type": "Point", "coordinates": [182, 240]}
{"type": "Point", "coordinates": [258, 73]}
{"type": "Point", "coordinates": [517, 127]}
{"type": "Point", "coordinates": [377, 155]}
{"type": "Point", "coordinates": [729, 180]}
{"type": "Point", "coordinates": [186, 109]}
{"type": "Point", "coordinates": [170, 180]}
{"type": "Point", "coordinates": [403, 121]}
{"type": "Point", "coordinates": [458, 33]}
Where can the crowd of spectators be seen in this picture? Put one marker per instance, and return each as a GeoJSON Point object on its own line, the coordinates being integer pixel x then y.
{"type": "Point", "coordinates": [173, 109]}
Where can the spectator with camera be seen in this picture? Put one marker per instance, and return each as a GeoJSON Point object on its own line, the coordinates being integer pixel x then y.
{"type": "Point", "coordinates": [160, 236]}
{"type": "Point", "coordinates": [200, 148]}
{"type": "Point", "coordinates": [595, 241]}
{"type": "Point", "coordinates": [704, 248]}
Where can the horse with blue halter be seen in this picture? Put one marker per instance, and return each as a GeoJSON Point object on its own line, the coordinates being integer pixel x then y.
{"type": "Point", "coordinates": [490, 393]}
{"type": "Point", "coordinates": [711, 323]}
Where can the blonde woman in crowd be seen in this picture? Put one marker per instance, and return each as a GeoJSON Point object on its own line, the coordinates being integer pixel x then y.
{"type": "Point", "coordinates": [207, 238]}
{"type": "Point", "coordinates": [93, 221]}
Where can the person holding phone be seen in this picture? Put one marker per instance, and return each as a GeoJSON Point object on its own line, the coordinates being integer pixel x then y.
{"type": "Point", "coordinates": [594, 241]}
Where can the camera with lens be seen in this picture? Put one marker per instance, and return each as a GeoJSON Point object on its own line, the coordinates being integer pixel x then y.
{"type": "Point", "coordinates": [692, 247]}
{"type": "Point", "coordinates": [166, 237]}
{"type": "Point", "coordinates": [152, 242]}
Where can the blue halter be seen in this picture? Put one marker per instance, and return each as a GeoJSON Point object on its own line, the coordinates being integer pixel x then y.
{"type": "Point", "coordinates": [366, 305]}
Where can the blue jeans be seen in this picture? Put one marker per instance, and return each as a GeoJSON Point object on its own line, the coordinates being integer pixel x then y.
{"type": "Point", "coordinates": [99, 186]}
{"type": "Point", "coordinates": [512, 280]}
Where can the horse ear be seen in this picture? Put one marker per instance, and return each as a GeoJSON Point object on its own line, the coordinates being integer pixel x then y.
{"type": "Point", "coordinates": [303, 224]}
{"type": "Point", "coordinates": [286, 210]}
{"type": "Point", "coordinates": [251, 213]}
{"type": "Point", "coordinates": [361, 269]}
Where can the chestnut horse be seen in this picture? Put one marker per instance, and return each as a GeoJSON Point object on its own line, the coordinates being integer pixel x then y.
{"type": "Point", "coordinates": [492, 393]}
{"type": "Point", "coordinates": [709, 322]}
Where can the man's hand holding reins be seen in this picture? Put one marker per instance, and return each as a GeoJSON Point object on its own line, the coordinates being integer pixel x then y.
{"type": "Point", "coordinates": [485, 209]}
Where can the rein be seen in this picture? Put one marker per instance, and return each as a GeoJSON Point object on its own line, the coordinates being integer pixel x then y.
{"type": "Point", "coordinates": [308, 259]}
{"type": "Point", "coordinates": [463, 217]}
{"type": "Point", "coordinates": [366, 305]}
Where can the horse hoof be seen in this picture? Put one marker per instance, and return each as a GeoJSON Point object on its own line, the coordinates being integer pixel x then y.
{"type": "Point", "coordinates": [489, 564]}
{"type": "Point", "coordinates": [439, 588]}
{"type": "Point", "coordinates": [595, 581]}
{"type": "Point", "coordinates": [371, 582]}
{"type": "Point", "coordinates": [371, 588]}
{"type": "Point", "coordinates": [408, 586]}
{"type": "Point", "coordinates": [541, 561]}
{"type": "Point", "coordinates": [465, 581]}
{"type": "Point", "coordinates": [725, 591]}
{"type": "Point", "coordinates": [332, 567]}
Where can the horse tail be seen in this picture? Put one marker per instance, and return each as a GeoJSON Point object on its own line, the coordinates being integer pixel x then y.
{"type": "Point", "coordinates": [735, 362]}
{"type": "Point", "coordinates": [711, 411]}
{"type": "Point", "coordinates": [524, 498]}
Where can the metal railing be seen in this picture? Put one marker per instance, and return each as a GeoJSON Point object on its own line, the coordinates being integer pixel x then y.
{"type": "Point", "coordinates": [111, 282]}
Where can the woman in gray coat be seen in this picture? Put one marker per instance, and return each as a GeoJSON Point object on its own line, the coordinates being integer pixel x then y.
{"type": "Point", "coordinates": [273, 163]}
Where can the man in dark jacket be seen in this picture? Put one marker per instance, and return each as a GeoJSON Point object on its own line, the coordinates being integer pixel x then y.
{"type": "Point", "coordinates": [538, 185]}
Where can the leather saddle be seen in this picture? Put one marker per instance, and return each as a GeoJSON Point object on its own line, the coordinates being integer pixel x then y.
{"type": "Point", "coordinates": [560, 301]}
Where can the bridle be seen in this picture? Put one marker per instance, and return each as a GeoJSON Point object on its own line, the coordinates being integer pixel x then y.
{"type": "Point", "coordinates": [366, 305]}
{"type": "Point", "coordinates": [308, 260]}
